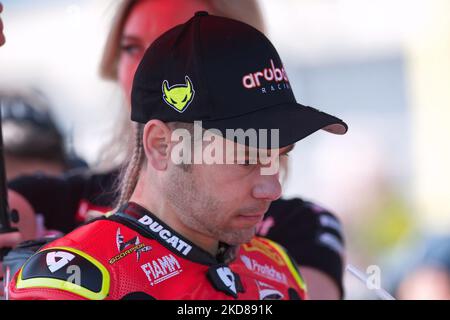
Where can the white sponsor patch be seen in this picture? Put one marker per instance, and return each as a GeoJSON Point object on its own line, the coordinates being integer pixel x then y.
{"type": "Point", "coordinates": [264, 270]}
{"type": "Point", "coordinates": [58, 259]}
{"type": "Point", "coordinates": [268, 292]}
{"type": "Point", "coordinates": [331, 241]}
{"type": "Point", "coordinates": [227, 278]}
{"type": "Point", "coordinates": [330, 222]}
{"type": "Point", "coordinates": [161, 269]}
{"type": "Point", "coordinates": [165, 235]}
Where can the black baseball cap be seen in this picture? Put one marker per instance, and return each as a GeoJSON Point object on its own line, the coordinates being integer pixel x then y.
{"type": "Point", "coordinates": [30, 131]}
{"type": "Point", "coordinates": [226, 74]}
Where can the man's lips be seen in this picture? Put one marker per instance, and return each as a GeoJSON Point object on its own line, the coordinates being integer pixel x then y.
{"type": "Point", "coordinates": [253, 217]}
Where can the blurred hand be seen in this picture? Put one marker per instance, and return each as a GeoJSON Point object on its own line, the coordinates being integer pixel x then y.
{"type": "Point", "coordinates": [10, 240]}
{"type": "Point", "coordinates": [2, 36]}
{"type": "Point", "coordinates": [26, 225]}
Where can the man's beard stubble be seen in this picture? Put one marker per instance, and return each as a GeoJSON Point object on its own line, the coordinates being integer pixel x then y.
{"type": "Point", "coordinates": [200, 211]}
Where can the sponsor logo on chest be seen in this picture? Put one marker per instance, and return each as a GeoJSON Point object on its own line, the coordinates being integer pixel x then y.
{"type": "Point", "coordinates": [268, 292]}
{"type": "Point", "coordinates": [256, 246]}
{"type": "Point", "coordinates": [264, 270]}
{"type": "Point", "coordinates": [126, 248]}
{"type": "Point", "coordinates": [161, 269]}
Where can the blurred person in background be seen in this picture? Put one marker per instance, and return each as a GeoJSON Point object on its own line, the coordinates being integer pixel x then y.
{"type": "Point", "coordinates": [32, 142]}
{"type": "Point", "coordinates": [310, 233]}
{"type": "Point", "coordinates": [427, 278]}
{"type": "Point", "coordinates": [11, 239]}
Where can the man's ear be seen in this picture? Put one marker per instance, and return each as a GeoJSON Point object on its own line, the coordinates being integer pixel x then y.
{"type": "Point", "coordinates": [156, 142]}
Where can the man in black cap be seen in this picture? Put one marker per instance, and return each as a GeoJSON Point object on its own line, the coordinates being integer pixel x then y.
{"type": "Point", "coordinates": [32, 141]}
{"type": "Point", "coordinates": [190, 202]}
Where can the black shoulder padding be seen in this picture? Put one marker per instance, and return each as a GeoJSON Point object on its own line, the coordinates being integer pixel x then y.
{"type": "Point", "coordinates": [66, 269]}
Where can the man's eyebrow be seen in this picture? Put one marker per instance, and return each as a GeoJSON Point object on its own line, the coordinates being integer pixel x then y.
{"type": "Point", "coordinates": [285, 151]}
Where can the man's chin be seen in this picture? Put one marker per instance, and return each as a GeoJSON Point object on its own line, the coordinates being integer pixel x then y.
{"type": "Point", "coordinates": [238, 237]}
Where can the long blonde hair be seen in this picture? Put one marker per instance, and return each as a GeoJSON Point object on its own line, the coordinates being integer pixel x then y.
{"type": "Point", "coordinates": [247, 11]}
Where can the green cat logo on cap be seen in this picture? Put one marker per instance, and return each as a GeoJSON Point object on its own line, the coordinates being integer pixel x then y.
{"type": "Point", "coordinates": [178, 96]}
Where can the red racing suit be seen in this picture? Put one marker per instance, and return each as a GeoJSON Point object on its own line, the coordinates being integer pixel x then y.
{"type": "Point", "coordinates": [133, 255]}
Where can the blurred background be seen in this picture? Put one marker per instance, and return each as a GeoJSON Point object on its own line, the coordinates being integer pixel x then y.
{"type": "Point", "coordinates": [382, 66]}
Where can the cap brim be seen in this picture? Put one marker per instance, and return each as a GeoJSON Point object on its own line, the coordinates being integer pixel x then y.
{"type": "Point", "coordinates": [294, 122]}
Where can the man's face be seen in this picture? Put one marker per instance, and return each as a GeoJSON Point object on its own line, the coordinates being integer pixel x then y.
{"type": "Point", "coordinates": [222, 201]}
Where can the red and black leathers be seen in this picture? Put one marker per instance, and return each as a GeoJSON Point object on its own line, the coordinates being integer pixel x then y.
{"type": "Point", "coordinates": [133, 255]}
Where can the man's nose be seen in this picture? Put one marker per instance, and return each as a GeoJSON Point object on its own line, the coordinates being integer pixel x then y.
{"type": "Point", "coordinates": [268, 188]}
